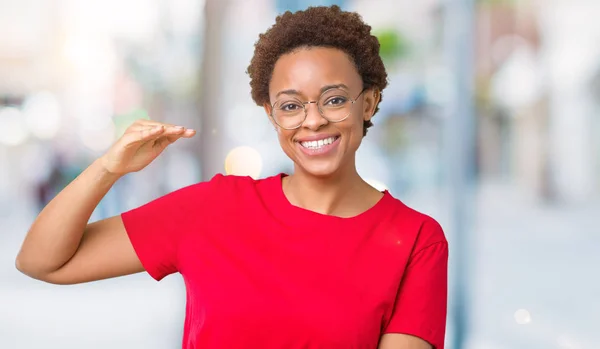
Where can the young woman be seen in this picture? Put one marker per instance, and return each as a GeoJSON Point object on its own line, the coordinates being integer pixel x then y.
{"type": "Point", "coordinates": [313, 259]}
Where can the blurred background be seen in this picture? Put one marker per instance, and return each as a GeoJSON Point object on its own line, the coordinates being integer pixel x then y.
{"type": "Point", "coordinates": [490, 124]}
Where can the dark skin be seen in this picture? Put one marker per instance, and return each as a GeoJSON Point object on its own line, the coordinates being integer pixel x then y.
{"type": "Point", "coordinates": [329, 183]}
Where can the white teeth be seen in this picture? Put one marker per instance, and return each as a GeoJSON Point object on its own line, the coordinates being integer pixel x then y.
{"type": "Point", "coordinates": [318, 144]}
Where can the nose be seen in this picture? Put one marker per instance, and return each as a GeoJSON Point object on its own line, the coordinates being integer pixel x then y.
{"type": "Point", "coordinates": [314, 120]}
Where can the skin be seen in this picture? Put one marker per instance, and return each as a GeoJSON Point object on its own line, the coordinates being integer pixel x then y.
{"type": "Point", "coordinates": [327, 184]}
{"type": "Point", "coordinates": [62, 248]}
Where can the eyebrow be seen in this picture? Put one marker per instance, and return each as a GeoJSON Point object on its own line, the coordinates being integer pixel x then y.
{"type": "Point", "coordinates": [323, 89]}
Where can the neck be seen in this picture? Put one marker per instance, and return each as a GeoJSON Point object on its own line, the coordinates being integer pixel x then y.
{"type": "Point", "coordinates": [338, 194]}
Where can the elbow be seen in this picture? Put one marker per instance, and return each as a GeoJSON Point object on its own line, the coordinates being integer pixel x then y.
{"type": "Point", "coordinates": [25, 267]}
{"type": "Point", "coordinates": [29, 269]}
{"type": "Point", "coordinates": [25, 263]}
{"type": "Point", "coordinates": [21, 265]}
{"type": "Point", "coordinates": [55, 277]}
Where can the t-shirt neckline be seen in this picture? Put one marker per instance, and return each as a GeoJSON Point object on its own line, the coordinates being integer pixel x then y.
{"type": "Point", "coordinates": [300, 214]}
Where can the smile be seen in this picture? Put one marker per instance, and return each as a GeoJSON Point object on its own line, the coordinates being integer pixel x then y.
{"type": "Point", "coordinates": [318, 144]}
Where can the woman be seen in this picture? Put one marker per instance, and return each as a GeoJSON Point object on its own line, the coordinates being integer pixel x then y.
{"type": "Point", "coordinates": [314, 259]}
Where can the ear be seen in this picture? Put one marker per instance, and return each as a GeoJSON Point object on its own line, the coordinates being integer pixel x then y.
{"type": "Point", "coordinates": [370, 102]}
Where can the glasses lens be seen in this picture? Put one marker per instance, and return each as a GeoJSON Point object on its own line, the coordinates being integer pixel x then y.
{"type": "Point", "coordinates": [288, 113]}
{"type": "Point", "coordinates": [335, 104]}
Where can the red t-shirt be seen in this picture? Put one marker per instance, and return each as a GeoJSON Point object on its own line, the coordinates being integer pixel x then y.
{"type": "Point", "coordinates": [263, 273]}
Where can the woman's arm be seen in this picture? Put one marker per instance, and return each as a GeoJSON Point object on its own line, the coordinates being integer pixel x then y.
{"type": "Point", "coordinates": [402, 341]}
{"type": "Point", "coordinates": [61, 247]}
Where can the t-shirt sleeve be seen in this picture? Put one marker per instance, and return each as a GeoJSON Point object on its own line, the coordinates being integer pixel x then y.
{"type": "Point", "coordinates": [156, 228]}
{"type": "Point", "coordinates": [421, 303]}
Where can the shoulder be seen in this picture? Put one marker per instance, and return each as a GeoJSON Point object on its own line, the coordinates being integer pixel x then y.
{"type": "Point", "coordinates": [222, 182]}
{"type": "Point", "coordinates": [239, 182]}
{"type": "Point", "coordinates": [227, 186]}
{"type": "Point", "coordinates": [423, 229]}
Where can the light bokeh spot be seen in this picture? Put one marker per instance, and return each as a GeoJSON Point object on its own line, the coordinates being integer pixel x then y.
{"type": "Point", "coordinates": [243, 161]}
{"type": "Point", "coordinates": [42, 113]}
{"type": "Point", "coordinates": [14, 131]}
{"type": "Point", "coordinates": [522, 317]}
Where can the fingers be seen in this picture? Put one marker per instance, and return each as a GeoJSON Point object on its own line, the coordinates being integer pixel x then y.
{"type": "Point", "coordinates": [189, 133]}
{"type": "Point", "coordinates": [142, 124]}
{"type": "Point", "coordinates": [136, 135]}
{"type": "Point", "coordinates": [167, 139]}
{"type": "Point", "coordinates": [175, 132]}
{"type": "Point", "coordinates": [150, 132]}
{"type": "Point", "coordinates": [145, 130]}
{"type": "Point", "coordinates": [148, 123]}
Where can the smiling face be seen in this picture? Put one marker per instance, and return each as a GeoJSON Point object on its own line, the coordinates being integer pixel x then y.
{"type": "Point", "coordinates": [320, 147]}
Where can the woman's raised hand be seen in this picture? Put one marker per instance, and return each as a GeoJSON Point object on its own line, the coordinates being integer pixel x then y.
{"type": "Point", "coordinates": [141, 143]}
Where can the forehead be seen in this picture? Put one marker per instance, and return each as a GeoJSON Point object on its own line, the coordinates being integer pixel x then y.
{"type": "Point", "coordinates": [307, 70]}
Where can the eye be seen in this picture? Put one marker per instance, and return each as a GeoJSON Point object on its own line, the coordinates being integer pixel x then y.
{"type": "Point", "coordinates": [290, 106]}
{"type": "Point", "coordinates": [336, 101]}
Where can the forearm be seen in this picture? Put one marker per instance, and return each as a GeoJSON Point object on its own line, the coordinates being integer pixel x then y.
{"type": "Point", "coordinates": [56, 233]}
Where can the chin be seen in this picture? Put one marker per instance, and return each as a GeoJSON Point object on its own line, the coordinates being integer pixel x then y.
{"type": "Point", "coordinates": [320, 169]}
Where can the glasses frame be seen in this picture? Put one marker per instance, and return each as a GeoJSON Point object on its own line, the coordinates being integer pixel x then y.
{"type": "Point", "coordinates": [319, 108]}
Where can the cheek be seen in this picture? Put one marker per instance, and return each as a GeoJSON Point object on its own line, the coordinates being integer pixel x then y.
{"type": "Point", "coordinates": [283, 136]}
{"type": "Point", "coordinates": [355, 131]}
{"type": "Point", "coordinates": [285, 140]}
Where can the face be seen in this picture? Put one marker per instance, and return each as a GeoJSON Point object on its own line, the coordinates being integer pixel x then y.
{"type": "Point", "coordinates": [320, 147]}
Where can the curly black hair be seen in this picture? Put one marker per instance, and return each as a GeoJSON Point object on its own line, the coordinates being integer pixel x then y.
{"type": "Point", "coordinates": [318, 26]}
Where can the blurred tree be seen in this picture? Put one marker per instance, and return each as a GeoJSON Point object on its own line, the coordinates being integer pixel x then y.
{"type": "Point", "coordinates": [394, 45]}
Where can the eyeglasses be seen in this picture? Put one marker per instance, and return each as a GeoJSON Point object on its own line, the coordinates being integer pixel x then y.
{"type": "Point", "coordinates": [335, 105]}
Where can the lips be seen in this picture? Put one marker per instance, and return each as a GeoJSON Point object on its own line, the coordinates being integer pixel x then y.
{"type": "Point", "coordinates": [320, 143]}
